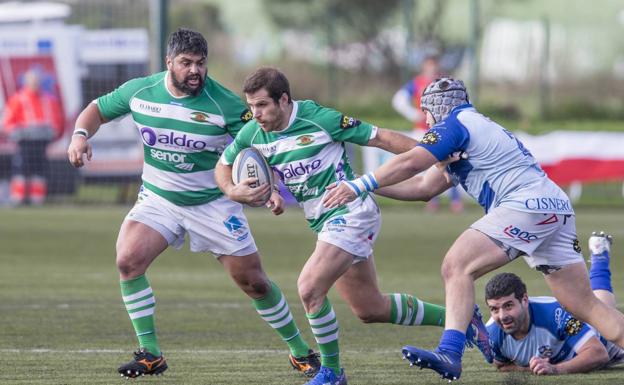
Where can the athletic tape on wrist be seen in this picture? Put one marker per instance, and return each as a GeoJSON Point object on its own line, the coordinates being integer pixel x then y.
{"type": "Point", "coordinates": [81, 131]}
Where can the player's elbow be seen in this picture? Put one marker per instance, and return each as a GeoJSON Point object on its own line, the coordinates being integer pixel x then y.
{"type": "Point", "coordinates": [601, 356]}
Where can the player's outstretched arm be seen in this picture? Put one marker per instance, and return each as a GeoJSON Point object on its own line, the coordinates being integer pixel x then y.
{"type": "Point", "coordinates": [86, 126]}
{"type": "Point", "coordinates": [590, 356]}
{"type": "Point", "coordinates": [392, 141]}
{"type": "Point", "coordinates": [397, 169]}
{"type": "Point", "coordinates": [420, 187]}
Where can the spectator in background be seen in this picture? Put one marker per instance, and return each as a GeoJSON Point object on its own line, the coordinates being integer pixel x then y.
{"type": "Point", "coordinates": [32, 119]}
{"type": "Point", "coordinates": [406, 101]}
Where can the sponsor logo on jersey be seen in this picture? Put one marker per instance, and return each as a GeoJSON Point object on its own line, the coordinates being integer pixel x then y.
{"type": "Point", "coordinates": [199, 117]}
{"type": "Point", "coordinates": [236, 228]}
{"type": "Point", "coordinates": [246, 116]}
{"type": "Point", "coordinates": [166, 156]}
{"type": "Point", "coordinates": [173, 139]}
{"type": "Point", "coordinates": [514, 232]}
{"type": "Point", "coordinates": [266, 149]}
{"type": "Point", "coordinates": [153, 108]}
{"type": "Point", "coordinates": [293, 170]}
{"type": "Point", "coordinates": [303, 190]}
{"type": "Point", "coordinates": [348, 122]}
{"type": "Point", "coordinates": [548, 204]}
{"type": "Point", "coordinates": [573, 326]}
{"type": "Point", "coordinates": [304, 140]}
{"type": "Point", "coordinates": [431, 137]}
{"type": "Point", "coordinates": [558, 314]}
{"type": "Point", "coordinates": [185, 166]}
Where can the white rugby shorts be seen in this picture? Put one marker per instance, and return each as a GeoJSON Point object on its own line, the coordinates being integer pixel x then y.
{"type": "Point", "coordinates": [356, 231]}
{"type": "Point", "coordinates": [219, 227]}
{"type": "Point", "coordinates": [546, 241]}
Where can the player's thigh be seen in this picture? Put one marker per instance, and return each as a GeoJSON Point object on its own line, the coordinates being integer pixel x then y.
{"type": "Point", "coordinates": [327, 263]}
{"type": "Point", "coordinates": [473, 253]}
{"type": "Point", "coordinates": [138, 244]}
{"type": "Point", "coordinates": [570, 285]}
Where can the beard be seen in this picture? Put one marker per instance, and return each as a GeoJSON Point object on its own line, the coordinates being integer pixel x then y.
{"type": "Point", "coordinates": [183, 86]}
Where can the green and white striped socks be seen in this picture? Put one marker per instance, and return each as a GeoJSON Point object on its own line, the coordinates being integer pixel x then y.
{"type": "Point", "coordinates": [409, 310]}
{"type": "Point", "coordinates": [140, 304]}
{"type": "Point", "coordinates": [274, 309]}
{"type": "Point", "coordinates": [325, 329]}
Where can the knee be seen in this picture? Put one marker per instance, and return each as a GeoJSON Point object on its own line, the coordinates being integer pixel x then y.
{"type": "Point", "coordinates": [129, 262]}
{"type": "Point", "coordinates": [254, 283]}
{"type": "Point", "coordinates": [449, 270]}
{"type": "Point", "coordinates": [366, 315]}
{"type": "Point", "coordinates": [311, 297]}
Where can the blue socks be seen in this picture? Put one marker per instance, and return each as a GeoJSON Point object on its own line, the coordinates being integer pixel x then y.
{"type": "Point", "coordinates": [453, 341]}
{"type": "Point", "coordinates": [599, 272]}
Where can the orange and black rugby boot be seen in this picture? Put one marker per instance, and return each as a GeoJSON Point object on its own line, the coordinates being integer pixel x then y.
{"type": "Point", "coordinates": [144, 363]}
{"type": "Point", "coordinates": [308, 365]}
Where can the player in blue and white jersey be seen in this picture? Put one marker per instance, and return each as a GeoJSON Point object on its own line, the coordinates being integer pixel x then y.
{"type": "Point", "coordinates": [526, 215]}
{"type": "Point", "coordinates": [537, 335]}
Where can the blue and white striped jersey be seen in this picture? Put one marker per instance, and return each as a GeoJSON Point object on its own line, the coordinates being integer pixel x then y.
{"type": "Point", "coordinates": [553, 333]}
{"type": "Point", "coordinates": [500, 171]}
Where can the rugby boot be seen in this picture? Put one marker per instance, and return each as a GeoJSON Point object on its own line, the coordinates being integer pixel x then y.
{"type": "Point", "coordinates": [144, 363]}
{"type": "Point", "coordinates": [308, 365]}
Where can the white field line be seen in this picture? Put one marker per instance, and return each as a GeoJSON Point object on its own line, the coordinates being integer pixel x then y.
{"type": "Point", "coordinates": [182, 351]}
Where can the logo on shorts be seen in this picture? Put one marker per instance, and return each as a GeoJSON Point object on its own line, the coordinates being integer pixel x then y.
{"type": "Point", "coordinates": [337, 224]}
{"type": "Point", "coordinates": [516, 233]}
{"type": "Point", "coordinates": [576, 245]}
{"type": "Point", "coordinates": [236, 228]}
{"type": "Point", "coordinates": [573, 326]}
{"type": "Point", "coordinates": [545, 351]}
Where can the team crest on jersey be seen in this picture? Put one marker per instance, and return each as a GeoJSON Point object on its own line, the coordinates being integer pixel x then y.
{"type": "Point", "coordinates": [431, 137]}
{"type": "Point", "coordinates": [348, 122]}
{"type": "Point", "coordinates": [573, 326]}
{"type": "Point", "coordinates": [199, 117]}
{"type": "Point", "coordinates": [246, 116]}
{"type": "Point", "coordinates": [576, 246]}
{"type": "Point", "coordinates": [304, 140]}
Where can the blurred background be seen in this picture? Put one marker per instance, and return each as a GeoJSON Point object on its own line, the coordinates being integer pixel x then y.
{"type": "Point", "coordinates": [553, 72]}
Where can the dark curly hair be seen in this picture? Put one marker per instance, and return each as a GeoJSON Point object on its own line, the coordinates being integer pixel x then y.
{"type": "Point", "coordinates": [186, 41]}
{"type": "Point", "coordinates": [504, 284]}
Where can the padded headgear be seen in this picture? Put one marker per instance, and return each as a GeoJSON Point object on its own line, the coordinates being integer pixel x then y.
{"type": "Point", "coordinates": [442, 95]}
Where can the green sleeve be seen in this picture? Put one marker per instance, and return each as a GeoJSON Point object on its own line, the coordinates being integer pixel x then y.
{"type": "Point", "coordinates": [241, 141]}
{"type": "Point", "coordinates": [117, 103]}
{"type": "Point", "coordinates": [235, 112]}
{"type": "Point", "coordinates": [343, 128]}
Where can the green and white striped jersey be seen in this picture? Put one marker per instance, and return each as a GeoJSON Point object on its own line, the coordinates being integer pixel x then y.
{"type": "Point", "coordinates": [308, 155]}
{"type": "Point", "coordinates": [183, 137]}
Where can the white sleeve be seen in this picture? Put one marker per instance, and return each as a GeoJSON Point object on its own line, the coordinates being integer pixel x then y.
{"type": "Point", "coordinates": [402, 103]}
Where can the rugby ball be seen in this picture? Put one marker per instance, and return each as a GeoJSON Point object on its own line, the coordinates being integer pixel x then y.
{"type": "Point", "coordinates": [250, 163]}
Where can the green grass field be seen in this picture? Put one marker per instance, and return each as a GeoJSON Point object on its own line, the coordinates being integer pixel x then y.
{"type": "Point", "coordinates": [62, 320]}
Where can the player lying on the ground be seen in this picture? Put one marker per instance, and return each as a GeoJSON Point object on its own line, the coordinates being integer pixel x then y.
{"type": "Point", "coordinates": [526, 214]}
{"type": "Point", "coordinates": [535, 334]}
{"type": "Point", "coordinates": [305, 144]}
